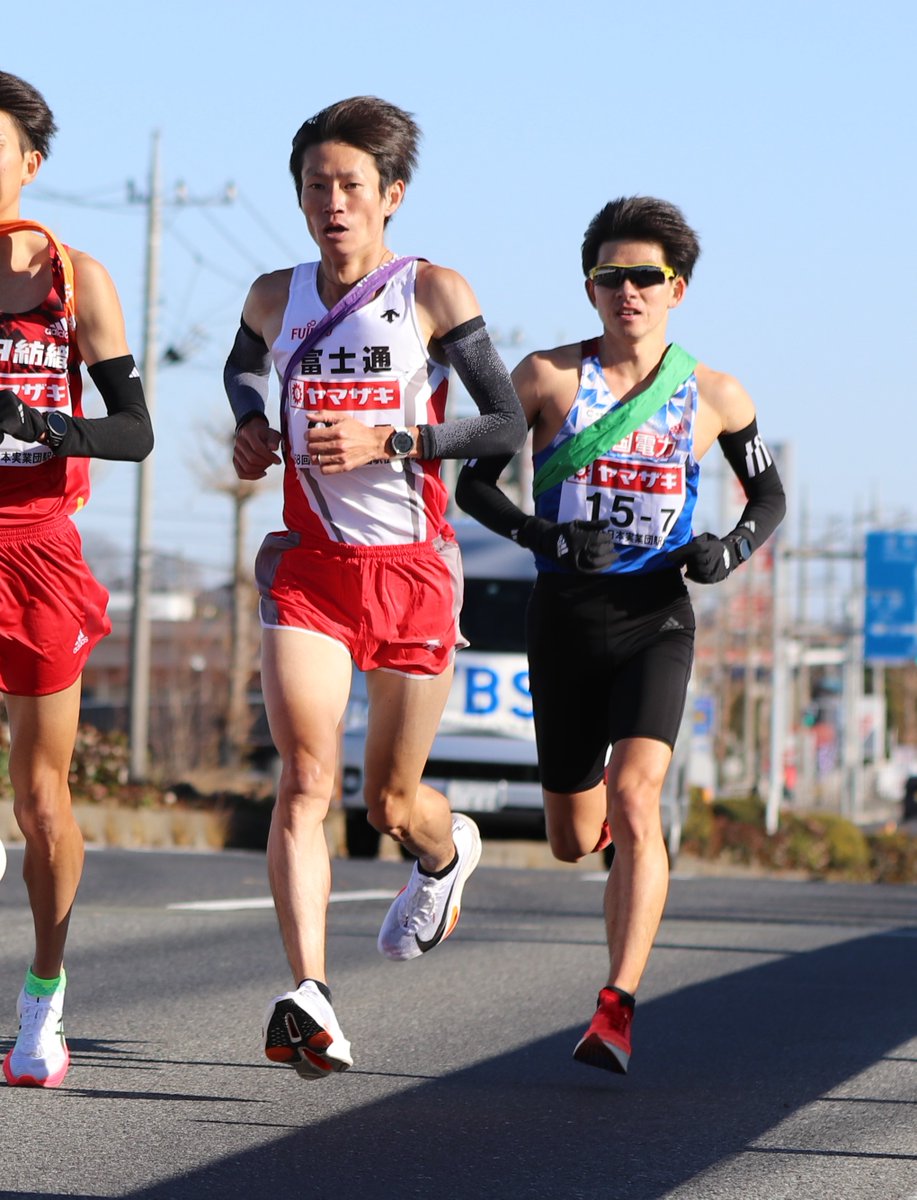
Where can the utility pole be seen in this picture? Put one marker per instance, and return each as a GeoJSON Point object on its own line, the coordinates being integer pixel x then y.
{"type": "Point", "coordinates": [780, 665]}
{"type": "Point", "coordinates": [779, 689]}
{"type": "Point", "coordinates": [240, 656]}
{"type": "Point", "coordinates": [852, 755]}
{"type": "Point", "coordinates": [143, 550]}
{"type": "Point", "coordinates": [139, 735]}
{"type": "Point", "coordinates": [722, 647]}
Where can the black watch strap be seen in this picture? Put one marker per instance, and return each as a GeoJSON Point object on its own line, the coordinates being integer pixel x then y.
{"type": "Point", "coordinates": [58, 427]}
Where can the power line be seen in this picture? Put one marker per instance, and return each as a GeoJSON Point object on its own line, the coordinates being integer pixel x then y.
{"type": "Point", "coordinates": [85, 200]}
{"type": "Point", "coordinates": [292, 255]}
{"type": "Point", "coordinates": [230, 240]}
{"type": "Point", "coordinates": [201, 261]}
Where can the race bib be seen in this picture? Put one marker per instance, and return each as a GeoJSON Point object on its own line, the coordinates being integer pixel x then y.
{"type": "Point", "coordinates": [641, 501]}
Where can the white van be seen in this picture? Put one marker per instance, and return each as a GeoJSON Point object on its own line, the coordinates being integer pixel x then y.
{"type": "Point", "coordinates": [483, 758]}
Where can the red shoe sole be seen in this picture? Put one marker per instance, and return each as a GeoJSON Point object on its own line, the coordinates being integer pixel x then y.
{"type": "Point", "coordinates": [52, 1081]}
{"type": "Point", "coordinates": [593, 1052]}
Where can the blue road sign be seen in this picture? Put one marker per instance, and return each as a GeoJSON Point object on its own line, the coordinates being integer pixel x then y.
{"type": "Point", "coordinates": [704, 712]}
{"type": "Point", "coordinates": [890, 632]}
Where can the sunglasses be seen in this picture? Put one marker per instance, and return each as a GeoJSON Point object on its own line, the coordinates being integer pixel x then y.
{"type": "Point", "coordinates": [643, 275]}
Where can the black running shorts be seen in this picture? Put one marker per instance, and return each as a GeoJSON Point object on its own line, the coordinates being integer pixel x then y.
{"type": "Point", "coordinates": [609, 658]}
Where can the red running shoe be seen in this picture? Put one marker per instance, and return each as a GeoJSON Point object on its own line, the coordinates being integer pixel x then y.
{"type": "Point", "coordinates": [606, 1043]}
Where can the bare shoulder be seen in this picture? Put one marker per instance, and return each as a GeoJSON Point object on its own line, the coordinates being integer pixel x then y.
{"type": "Point", "coordinates": [266, 302]}
{"type": "Point", "coordinates": [543, 370]}
{"type": "Point", "coordinates": [271, 289]}
{"type": "Point", "coordinates": [728, 404]}
{"type": "Point", "coordinates": [90, 277]}
{"type": "Point", "coordinates": [546, 382]}
{"type": "Point", "coordinates": [444, 298]}
{"type": "Point", "coordinates": [100, 331]}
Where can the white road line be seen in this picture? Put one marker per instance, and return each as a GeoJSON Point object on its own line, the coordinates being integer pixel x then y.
{"type": "Point", "coordinates": [602, 876]}
{"type": "Point", "coordinates": [267, 902]}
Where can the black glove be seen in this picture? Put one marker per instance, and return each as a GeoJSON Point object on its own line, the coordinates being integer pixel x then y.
{"type": "Point", "coordinates": [708, 559]}
{"type": "Point", "coordinates": [18, 420]}
{"type": "Point", "coordinates": [583, 545]}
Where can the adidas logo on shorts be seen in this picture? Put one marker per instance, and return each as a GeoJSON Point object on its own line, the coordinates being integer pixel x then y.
{"type": "Point", "coordinates": [80, 642]}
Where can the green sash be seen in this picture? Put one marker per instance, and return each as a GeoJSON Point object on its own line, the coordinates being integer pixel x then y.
{"type": "Point", "coordinates": [586, 446]}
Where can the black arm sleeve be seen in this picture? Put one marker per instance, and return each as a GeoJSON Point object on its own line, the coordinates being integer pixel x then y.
{"type": "Point", "coordinates": [501, 427]}
{"type": "Point", "coordinates": [246, 376]}
{"type": "Point", "coordinates": [582, 546]}
{"type": "Point", "coordinates": [751, 461]}
{"type": "Point", "coordinates": [477, 493]}
{"type": "Point", "coordinates": [126, 434]}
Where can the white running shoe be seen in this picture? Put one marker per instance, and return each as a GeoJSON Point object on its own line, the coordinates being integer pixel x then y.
{"type": "Point", "coordinates": [300, 1028]}
{"type": "Point", "coordinates": [40, 1057]}
{"type": "Point", "coordinates": [427, 910]}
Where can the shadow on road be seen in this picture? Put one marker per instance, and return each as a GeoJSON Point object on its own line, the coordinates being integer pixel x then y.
{"type": "Point", "coordinates": [716, 1066]}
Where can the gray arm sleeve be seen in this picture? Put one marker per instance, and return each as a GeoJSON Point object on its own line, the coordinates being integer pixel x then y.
{"type": "Point", "coordinates": [501, 426]}
{"type": "Point", "coordinates": [247, 375]}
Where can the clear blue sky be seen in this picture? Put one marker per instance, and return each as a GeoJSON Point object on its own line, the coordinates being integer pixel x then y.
{"type": "Point", "coordinates": [786, 133]}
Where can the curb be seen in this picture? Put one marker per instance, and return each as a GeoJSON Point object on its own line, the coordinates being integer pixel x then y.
{"type": "Point", "coordinates": [136, 828]}
{"type": "Point", "coordinates": [178, 828]}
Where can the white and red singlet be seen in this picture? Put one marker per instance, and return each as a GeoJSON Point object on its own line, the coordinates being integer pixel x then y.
{"type": "Point", "coordinates": [373, 366]}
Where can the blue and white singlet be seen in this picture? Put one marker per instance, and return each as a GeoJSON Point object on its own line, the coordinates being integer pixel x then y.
{"type": "Point", "coordinates": [645, 486]}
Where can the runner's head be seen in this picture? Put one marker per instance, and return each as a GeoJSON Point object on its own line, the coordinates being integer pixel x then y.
{"type": "Point", "coordinates": [388, 134]}
{"type": "Point", "coordinates": [643, 219]}
{"type": "Point", "coordinates": [30, 115]}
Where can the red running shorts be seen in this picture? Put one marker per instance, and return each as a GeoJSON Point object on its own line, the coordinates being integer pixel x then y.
{"type": "Point", "coordinates": [52, 609]}
{"type": "Point", "coordinates": [392, 607]}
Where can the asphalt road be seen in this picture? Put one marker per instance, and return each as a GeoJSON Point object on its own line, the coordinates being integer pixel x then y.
{"type": "Point", "coordinates": [775, 1044]}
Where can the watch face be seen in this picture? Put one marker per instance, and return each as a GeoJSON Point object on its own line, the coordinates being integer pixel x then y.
{"type": "Point", "coordinates": [57, 425]}
{"type": "Point", "coordinates": [402, 442]}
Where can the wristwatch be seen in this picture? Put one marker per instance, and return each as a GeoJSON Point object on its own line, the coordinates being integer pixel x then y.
{"type": "Point", "coordinates": [742, 547]}
{"type": "Point", "coordinates": [58, 428]}
{"type": "Point", "coordinates": [402, 443]}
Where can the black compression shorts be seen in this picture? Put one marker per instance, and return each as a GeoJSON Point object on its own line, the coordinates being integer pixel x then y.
{"type": "Point", "coordinates": [609, 658]}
